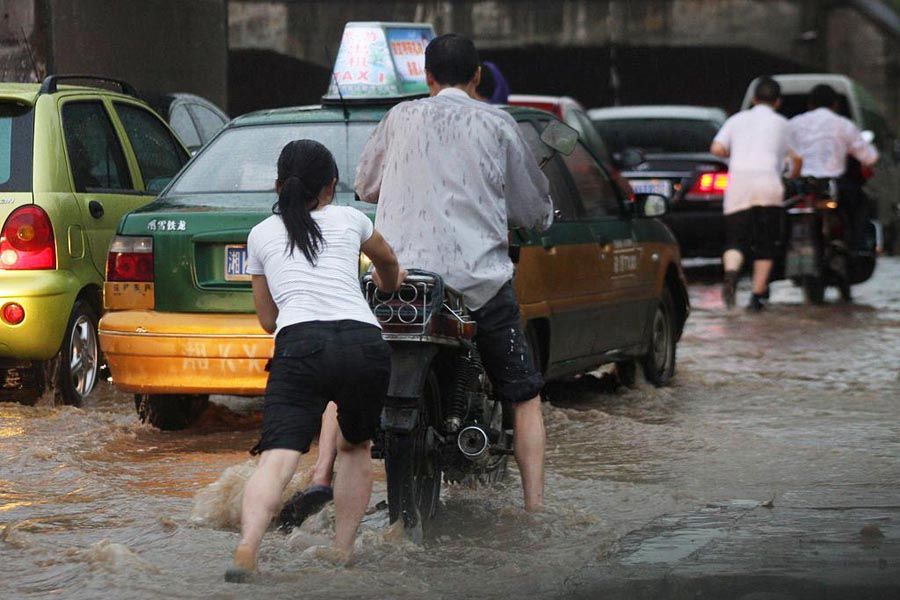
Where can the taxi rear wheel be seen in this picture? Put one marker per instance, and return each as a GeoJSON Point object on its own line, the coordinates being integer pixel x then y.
{"type": "Point", "coordinates": [659, 362]}
{"type": "Point", "coordinates": [170, 412]}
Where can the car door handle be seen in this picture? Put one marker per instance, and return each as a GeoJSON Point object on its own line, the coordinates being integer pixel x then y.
{"type": "Point", "coordinates": [96, 209]}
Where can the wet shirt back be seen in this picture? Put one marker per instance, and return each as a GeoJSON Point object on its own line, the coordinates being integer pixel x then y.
{"type": "Point", "coordinates": [757, 141]}
{"type": "Point", "coordinates": [326, 291]}
{"type": "Point", "coordinates": [451, 175]}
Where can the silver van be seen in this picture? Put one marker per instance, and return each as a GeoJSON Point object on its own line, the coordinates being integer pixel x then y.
{"type": "Point", "coordinates": [860, 107]}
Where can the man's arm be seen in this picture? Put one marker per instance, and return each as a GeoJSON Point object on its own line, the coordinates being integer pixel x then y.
{"type": "Point", "coordinates": [721, 144]}
{"type": "Point", "coordinates": [370, 169]}
{"type": "Point", "coordinates": [528, 202]}
{"type": "Point", "coordinates": [796, 164]}
{"type": "Point", "coordinates": [863, 151]}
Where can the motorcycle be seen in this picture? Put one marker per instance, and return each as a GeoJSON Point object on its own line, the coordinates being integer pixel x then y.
{"type": "Point", "coordinates": [817, 253]}
{"type": "Point", "coordinates": [440, 421]}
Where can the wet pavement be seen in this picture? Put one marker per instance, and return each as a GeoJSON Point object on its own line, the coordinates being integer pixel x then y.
{"type": "Point", "coordinates": [769, 470]}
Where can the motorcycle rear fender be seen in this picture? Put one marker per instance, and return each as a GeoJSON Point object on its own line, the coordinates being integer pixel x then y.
{"type": "Point", "coordinates": [410, 363]}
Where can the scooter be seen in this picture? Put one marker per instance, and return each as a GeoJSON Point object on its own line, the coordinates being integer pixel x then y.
{"type": "Point", "coordinates": [817, 252]}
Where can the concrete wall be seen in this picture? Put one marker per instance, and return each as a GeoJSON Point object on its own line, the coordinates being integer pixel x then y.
{"type": "Point", "coordinates": [156, 45]}
{"type": "Point", "coordinates": [817, 35]}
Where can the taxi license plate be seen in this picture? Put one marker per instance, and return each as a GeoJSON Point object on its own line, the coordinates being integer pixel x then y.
{"type": "Point", "coordinates": [236, 263]}
{"type": "Point", "coordinates": [662, 187]}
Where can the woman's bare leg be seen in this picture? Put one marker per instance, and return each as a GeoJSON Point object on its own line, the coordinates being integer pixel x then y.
{"type": "Point", "coordinates": [262, 497]}
{"type": "Point", "coordinates": [328, 442]}
{"type": "Point", "coordinates": [352, 491]}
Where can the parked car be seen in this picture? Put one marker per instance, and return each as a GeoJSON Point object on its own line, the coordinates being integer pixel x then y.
{"type": "Point", "coordinates": [196, 120]}
{"type": "Point", "coordinates": [665, 150]}
{"type": "Point", "coordinates": [883, 187]}
{"type": "Point", "coordinates": [571, 112]}
{"type": "Point", "coordinates": [73, 161]}
{"type": "Point", "coordinates": [602, 284]}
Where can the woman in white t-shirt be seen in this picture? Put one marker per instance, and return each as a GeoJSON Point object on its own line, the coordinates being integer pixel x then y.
{"type": "Point", "coordinates": [328, 346]}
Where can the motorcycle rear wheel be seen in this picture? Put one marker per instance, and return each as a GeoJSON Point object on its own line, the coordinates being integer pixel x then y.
{"type": "Point", "coordinates": [413, 470]}
{"type": "Point", "coordinates": [813, 289]}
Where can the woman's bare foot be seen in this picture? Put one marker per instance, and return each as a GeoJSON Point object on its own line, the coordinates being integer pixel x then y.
{"type": "Point", "coordinates": [330, 554]}
{"type": "Point", "coordinates": [243, 566]}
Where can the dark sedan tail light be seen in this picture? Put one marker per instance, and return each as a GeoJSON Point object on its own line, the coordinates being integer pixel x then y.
{"type": "Point", "coordinates": [130, 259]}
{"type": "Point", "coordinates": [710, 183]}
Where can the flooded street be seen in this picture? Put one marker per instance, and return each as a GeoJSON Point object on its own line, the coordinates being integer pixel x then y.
{"type": "Point", "coordinates": [796, 407]}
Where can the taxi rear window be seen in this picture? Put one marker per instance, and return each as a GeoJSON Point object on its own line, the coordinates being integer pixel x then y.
{"type": "Point", "coordinates": [16, 141]}
{"type": "Point", "coordinates": [243, 159]}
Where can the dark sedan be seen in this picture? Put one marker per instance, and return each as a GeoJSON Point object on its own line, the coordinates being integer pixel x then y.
{"type": "Point", "coordinates": [665, 150]}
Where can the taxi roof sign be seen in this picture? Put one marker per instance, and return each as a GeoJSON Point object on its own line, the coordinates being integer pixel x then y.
{"type": "Point", "coordinates": [380, 61]}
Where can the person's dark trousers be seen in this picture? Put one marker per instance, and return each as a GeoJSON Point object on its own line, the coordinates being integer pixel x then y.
{"type": "Point", "coordinates": [853, 204]}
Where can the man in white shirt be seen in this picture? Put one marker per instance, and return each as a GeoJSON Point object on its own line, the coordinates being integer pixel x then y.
{"type": "Point", "coordinates": [756, 143]}
{"type": "Point", "coordinates": [825, 140]}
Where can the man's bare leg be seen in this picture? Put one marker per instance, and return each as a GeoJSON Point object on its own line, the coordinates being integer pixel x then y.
{"type": "Point", "coordinates": [732, 261]}
{"type": "Point", "coordinates": [761, 271]}
{"type": "Point", "coordinates": [528, 444]}
{"type": "Point", "coordinates": [352, 491]}
{"type": "Point", "coordinates": [262, 497]}
{"type": "Point", "coordinates": [323, 472]}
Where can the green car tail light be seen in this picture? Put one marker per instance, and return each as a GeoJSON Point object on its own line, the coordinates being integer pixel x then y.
{"type": "Point", "coordinates": [26, 240]}
{"type": "Point", "coordinates": [130, 259]}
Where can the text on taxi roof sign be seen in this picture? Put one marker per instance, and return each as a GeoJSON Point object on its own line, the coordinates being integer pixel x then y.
{"type": "Point", "coordinates": [381, 60]}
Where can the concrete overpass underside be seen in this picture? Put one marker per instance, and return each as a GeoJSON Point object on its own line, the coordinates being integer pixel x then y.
{"type": "Point", "coordinates": [691, 51]}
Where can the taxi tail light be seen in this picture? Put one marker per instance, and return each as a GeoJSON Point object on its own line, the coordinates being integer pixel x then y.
{"type": "Point", "coordinates": [710, 182]}
{"type": "Point", "coordinates": [130, 259]}
{"type": "Point", "coordinates": [26, 240]}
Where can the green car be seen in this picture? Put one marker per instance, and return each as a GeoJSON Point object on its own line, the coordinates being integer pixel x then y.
{"type": "Point", "coordinates": [603, 284]}
{"type": "Point", "coordinates": [73, 161]}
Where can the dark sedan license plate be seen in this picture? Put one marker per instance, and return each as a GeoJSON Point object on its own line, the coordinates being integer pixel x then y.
{"type": "Point", "coordinates": [236, 263]}
{"type": "Point", "coordinates": [663, 187]}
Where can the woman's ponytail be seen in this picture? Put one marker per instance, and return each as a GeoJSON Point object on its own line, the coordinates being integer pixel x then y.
{"type": "Point", "coordinates": [305, 168]}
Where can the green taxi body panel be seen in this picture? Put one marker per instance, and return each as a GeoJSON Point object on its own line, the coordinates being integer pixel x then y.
{"type": "Point", "coordinates": [81, 241]}
{"type": "Point", "coordinates": [578, 290]}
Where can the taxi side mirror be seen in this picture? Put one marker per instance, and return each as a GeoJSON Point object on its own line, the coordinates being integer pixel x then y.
{"type": "Point", "coordinates": [559, 137]}
{"type": "Point", "coordinates": [650, 205]}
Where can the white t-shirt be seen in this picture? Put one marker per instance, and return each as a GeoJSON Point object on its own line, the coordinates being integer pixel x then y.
{"type": "Point", "coordinates": [328, 291]}
{"type": "Point", "coordinates": [823, 140]}
{"type": "Point", "coordinates": [757, 143]}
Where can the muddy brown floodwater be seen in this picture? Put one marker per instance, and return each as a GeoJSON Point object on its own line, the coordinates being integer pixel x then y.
{"type": "Point", "coordinates": [799, 404]}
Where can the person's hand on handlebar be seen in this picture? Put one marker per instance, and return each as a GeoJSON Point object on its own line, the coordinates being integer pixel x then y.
{"type": "Point", "coordinates": [387, 274]}
{"type": "Point", "coordinates": [376, 277]}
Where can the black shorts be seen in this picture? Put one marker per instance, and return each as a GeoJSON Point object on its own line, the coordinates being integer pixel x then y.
{"type": "Point", "coordinates": [347, 362]}
{"type": "Point", "coordinates": [504, 348]}
{"type": "Point", "coordinates": [757, 231]}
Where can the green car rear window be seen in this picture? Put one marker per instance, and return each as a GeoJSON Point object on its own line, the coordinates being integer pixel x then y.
{"type": "Point", "coordinates": [16, 141]}
{"type": "Point", "coordinates": [243, 159]}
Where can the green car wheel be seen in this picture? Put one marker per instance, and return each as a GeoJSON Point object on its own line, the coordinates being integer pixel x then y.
{"type": "Point", "coordinates": [79, 357]}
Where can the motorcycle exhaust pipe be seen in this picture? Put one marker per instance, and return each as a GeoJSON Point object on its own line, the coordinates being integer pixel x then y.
{"type": "Point", "coordinates": [473, 442]}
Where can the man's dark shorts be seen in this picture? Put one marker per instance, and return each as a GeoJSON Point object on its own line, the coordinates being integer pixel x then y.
{"type": "Point", "coordinates": [757, 231]}
{"type": "Point", "coordinates": [504, 348]}
{"type": "Point", "coordinates": [347, 362]}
